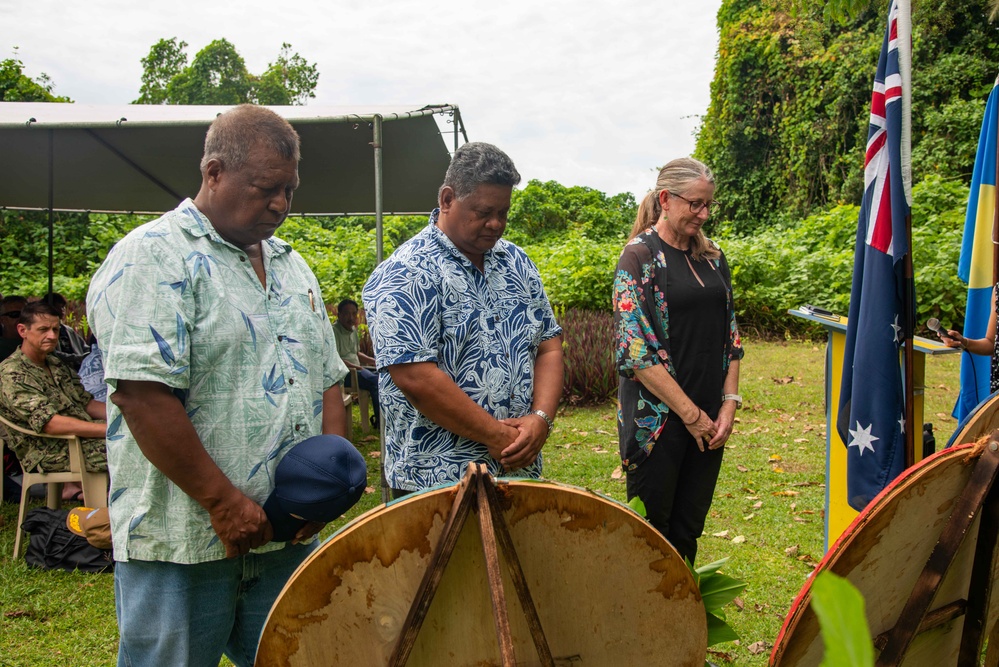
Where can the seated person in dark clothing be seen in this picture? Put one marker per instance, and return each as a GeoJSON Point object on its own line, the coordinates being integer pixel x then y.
{"type": "Point", "coordinates": [42, 394]}
{"type": "Point", "coordinates": [72, 348]}
{"type": "Point", "coordinates": [10, 313]}
{"type": "Point", "coordinates": [349, 349]}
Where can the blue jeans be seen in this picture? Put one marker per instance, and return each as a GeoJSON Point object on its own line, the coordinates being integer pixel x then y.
{"type": "Point", "coordinates": [173, 614]}
{"type": "Point", "coordinates": [367, 380]}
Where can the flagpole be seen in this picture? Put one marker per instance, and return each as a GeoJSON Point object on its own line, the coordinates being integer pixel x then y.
{"type": "Point", "coordinates": [909, 284]}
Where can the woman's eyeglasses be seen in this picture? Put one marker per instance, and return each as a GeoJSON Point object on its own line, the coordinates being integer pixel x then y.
{"type": "Point", "coordinates": [696, 205]}
{"type": "Point", "coordinates": [11, 313]}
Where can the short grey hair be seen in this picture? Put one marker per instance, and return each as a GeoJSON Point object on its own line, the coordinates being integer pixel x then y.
{"type": "Point", "coordinates": [234, 134]}
{"type": "Point", "coordinates": [478, 163]}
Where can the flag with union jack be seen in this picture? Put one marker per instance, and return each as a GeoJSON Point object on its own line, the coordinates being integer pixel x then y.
{"type": "Point", "coordinates": [872, 402]}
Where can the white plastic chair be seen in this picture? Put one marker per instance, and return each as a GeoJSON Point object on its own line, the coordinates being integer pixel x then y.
{"type": "Point", "coordinates": [95, 484]}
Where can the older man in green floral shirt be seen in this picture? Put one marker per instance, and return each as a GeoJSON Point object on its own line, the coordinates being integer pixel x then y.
{"type": "Point", "coordinates": [219, 357]}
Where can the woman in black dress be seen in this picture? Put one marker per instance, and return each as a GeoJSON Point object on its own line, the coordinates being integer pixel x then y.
{"type": "Point", "coordinates": [678, 352]}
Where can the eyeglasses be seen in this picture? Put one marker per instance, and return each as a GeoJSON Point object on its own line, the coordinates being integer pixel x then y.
{"type": "Point", "coordinates": [11, 313]}
{"type": "Point", "coordinates": [696, 205]}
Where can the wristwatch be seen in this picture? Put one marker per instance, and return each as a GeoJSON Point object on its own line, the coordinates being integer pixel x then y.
{"type": "Point", "coordinates": [733, 397]}
{"type": "Point", "coordinates": [548, 420]}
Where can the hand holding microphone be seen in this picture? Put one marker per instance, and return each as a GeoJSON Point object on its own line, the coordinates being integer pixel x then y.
{"type": "Point", "coordinates": [949, 337]}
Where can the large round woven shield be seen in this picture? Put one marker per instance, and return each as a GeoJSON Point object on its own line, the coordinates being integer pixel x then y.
{"type": "Point", "coordinates": [884, 553]}
{"type": "Point", "coordinates": [608, 588]}
{"type": "Point", "coordinates": [984, 419]}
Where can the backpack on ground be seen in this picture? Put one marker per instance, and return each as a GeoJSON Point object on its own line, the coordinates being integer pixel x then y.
{"type": "Point", "coordinates": [51, 545]}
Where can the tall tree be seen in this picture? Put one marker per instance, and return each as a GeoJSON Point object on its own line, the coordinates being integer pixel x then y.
{"type": "Point", "coordinates": [218, 75]}
{"type": "Point", "coordinates": [165, 61]}
{"type": "Point", "coordinates": [288, 80]}
{"type": "Point", "coordinates": [16, 86]}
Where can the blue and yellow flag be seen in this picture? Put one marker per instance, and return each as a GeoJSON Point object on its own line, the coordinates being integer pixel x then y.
{"type": "Point", "coordinates": [975, 266]}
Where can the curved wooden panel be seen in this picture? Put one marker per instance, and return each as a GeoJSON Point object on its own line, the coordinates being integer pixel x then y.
{"type": "Point", "coordinates": [608, 588]}
{"type": "Point", "coordinates": [884, 551]}
{"type": "Point", "coordinates": [983, 421]}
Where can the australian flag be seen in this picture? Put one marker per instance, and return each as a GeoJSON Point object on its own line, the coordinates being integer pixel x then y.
{"type": "Point", "coordinates": [872, 402]}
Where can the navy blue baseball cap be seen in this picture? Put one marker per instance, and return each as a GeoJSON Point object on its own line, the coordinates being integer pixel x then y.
{"type": "Point", "coordinates": [318, 480]}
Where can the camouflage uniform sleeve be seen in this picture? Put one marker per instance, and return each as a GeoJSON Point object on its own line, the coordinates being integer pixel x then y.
{"type": "Point", "coordinates": [24, 400]}
{"type": "Point", "coordinates": [73, 385]}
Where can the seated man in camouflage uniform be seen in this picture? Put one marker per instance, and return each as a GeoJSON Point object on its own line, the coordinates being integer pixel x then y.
{"type": "Point", "coordinates": [41, 393]}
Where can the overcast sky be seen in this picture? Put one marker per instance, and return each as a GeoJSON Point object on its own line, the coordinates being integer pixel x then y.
{"type": "Point", "coordinates": [585, 93]}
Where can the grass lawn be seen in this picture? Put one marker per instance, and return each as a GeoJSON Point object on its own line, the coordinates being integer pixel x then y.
{"type": "Point", "coordinates": [767, 516]}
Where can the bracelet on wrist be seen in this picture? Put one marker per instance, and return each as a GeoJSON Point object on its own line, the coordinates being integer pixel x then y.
{"type": "Point", "coordinates": [691, 423]}
{"type": "Point", "coordinates": [548, 420]}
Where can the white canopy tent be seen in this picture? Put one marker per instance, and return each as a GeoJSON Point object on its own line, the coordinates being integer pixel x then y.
{"type": "Point", "coordinates": [144, 158]}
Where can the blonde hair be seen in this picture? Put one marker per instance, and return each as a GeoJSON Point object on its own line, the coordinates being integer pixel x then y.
{"type": "Point", "coordinates": [674, 178]}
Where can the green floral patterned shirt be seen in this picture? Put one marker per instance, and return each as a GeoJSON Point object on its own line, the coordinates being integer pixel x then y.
{"type": "Point", "coordinates": [175, 303]}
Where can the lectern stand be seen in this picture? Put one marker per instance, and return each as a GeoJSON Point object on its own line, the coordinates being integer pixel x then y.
{"type": "Point", "coordinates": [839, 514]}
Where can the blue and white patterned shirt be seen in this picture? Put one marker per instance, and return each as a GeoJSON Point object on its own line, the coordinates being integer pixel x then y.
{"type": "Point", "coordinates": [175, 303]}
{"type": "Point", "coordinates": [92, 374]}
{"type": "Point", "coordinates": [428, 302]}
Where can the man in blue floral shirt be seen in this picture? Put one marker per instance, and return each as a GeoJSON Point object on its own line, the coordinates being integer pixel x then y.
{"type": "Point", "coordinates": [219, 357]}
{"type": "Point", "coordinates": [465, 336]}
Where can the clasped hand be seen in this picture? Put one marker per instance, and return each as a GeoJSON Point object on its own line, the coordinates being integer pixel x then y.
{"type": "Point", "coordinates": [240, 523]}
{"type": "Point", "coordinates": [531, 434]}
{"type": "Point", "coordinates": [713, 434]}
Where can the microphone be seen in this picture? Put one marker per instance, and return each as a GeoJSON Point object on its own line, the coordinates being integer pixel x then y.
{"type": "Point", "coordinates": [933, 324]}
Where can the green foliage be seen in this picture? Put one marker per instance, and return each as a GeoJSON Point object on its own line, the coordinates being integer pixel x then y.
{"type": "Point", "coordinates": [80, 244]}
{"type": "Point", "coordinates": [786, 128]}
{"type": "Point", "coordinates": [951, 138]}
{"type": "Point", "coordinates": [577, 272]}
{"type": "Point", "coordinates": [218, 75]}
{"type": "Point", "coordinates": [544, 212]}
{"type": "Point", "coordinates": [717, 590]}
{"type": "Point", "coordinates": [16, 86]}
{"type": "Point", "coordinates": [839, 607]}
{"type": "Point", "coordinates": [288, 80]}
{"type": "Point", "coordinates": [575, 236]}
{"type": "Point", "coordinates": [164, 61]}
{"type": "Point", "coordinates": [342, 257]}
{"type": "Point", "coordinates": [782, 268]}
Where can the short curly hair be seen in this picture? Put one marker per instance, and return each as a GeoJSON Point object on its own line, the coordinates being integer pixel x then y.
{"type": "Point", "coordinates": [478, 163]}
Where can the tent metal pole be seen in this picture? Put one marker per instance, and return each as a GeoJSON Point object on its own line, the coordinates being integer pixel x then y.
{"type": "Point", "coordinates": [460, 125]}
{"type": "Point", "coordinates": [377, 145]}
{"type": "Point", "coordinates": [51, 206]}
{"type": "Point", "coordinates": [379, 184]}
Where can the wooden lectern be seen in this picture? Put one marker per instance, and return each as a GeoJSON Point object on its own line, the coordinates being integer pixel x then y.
{"type": "Point", "coordinates": [839, 514]}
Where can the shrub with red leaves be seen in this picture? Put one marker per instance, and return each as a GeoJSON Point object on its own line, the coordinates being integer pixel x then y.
{"type": "Point", "coordinates": [588, 347]}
